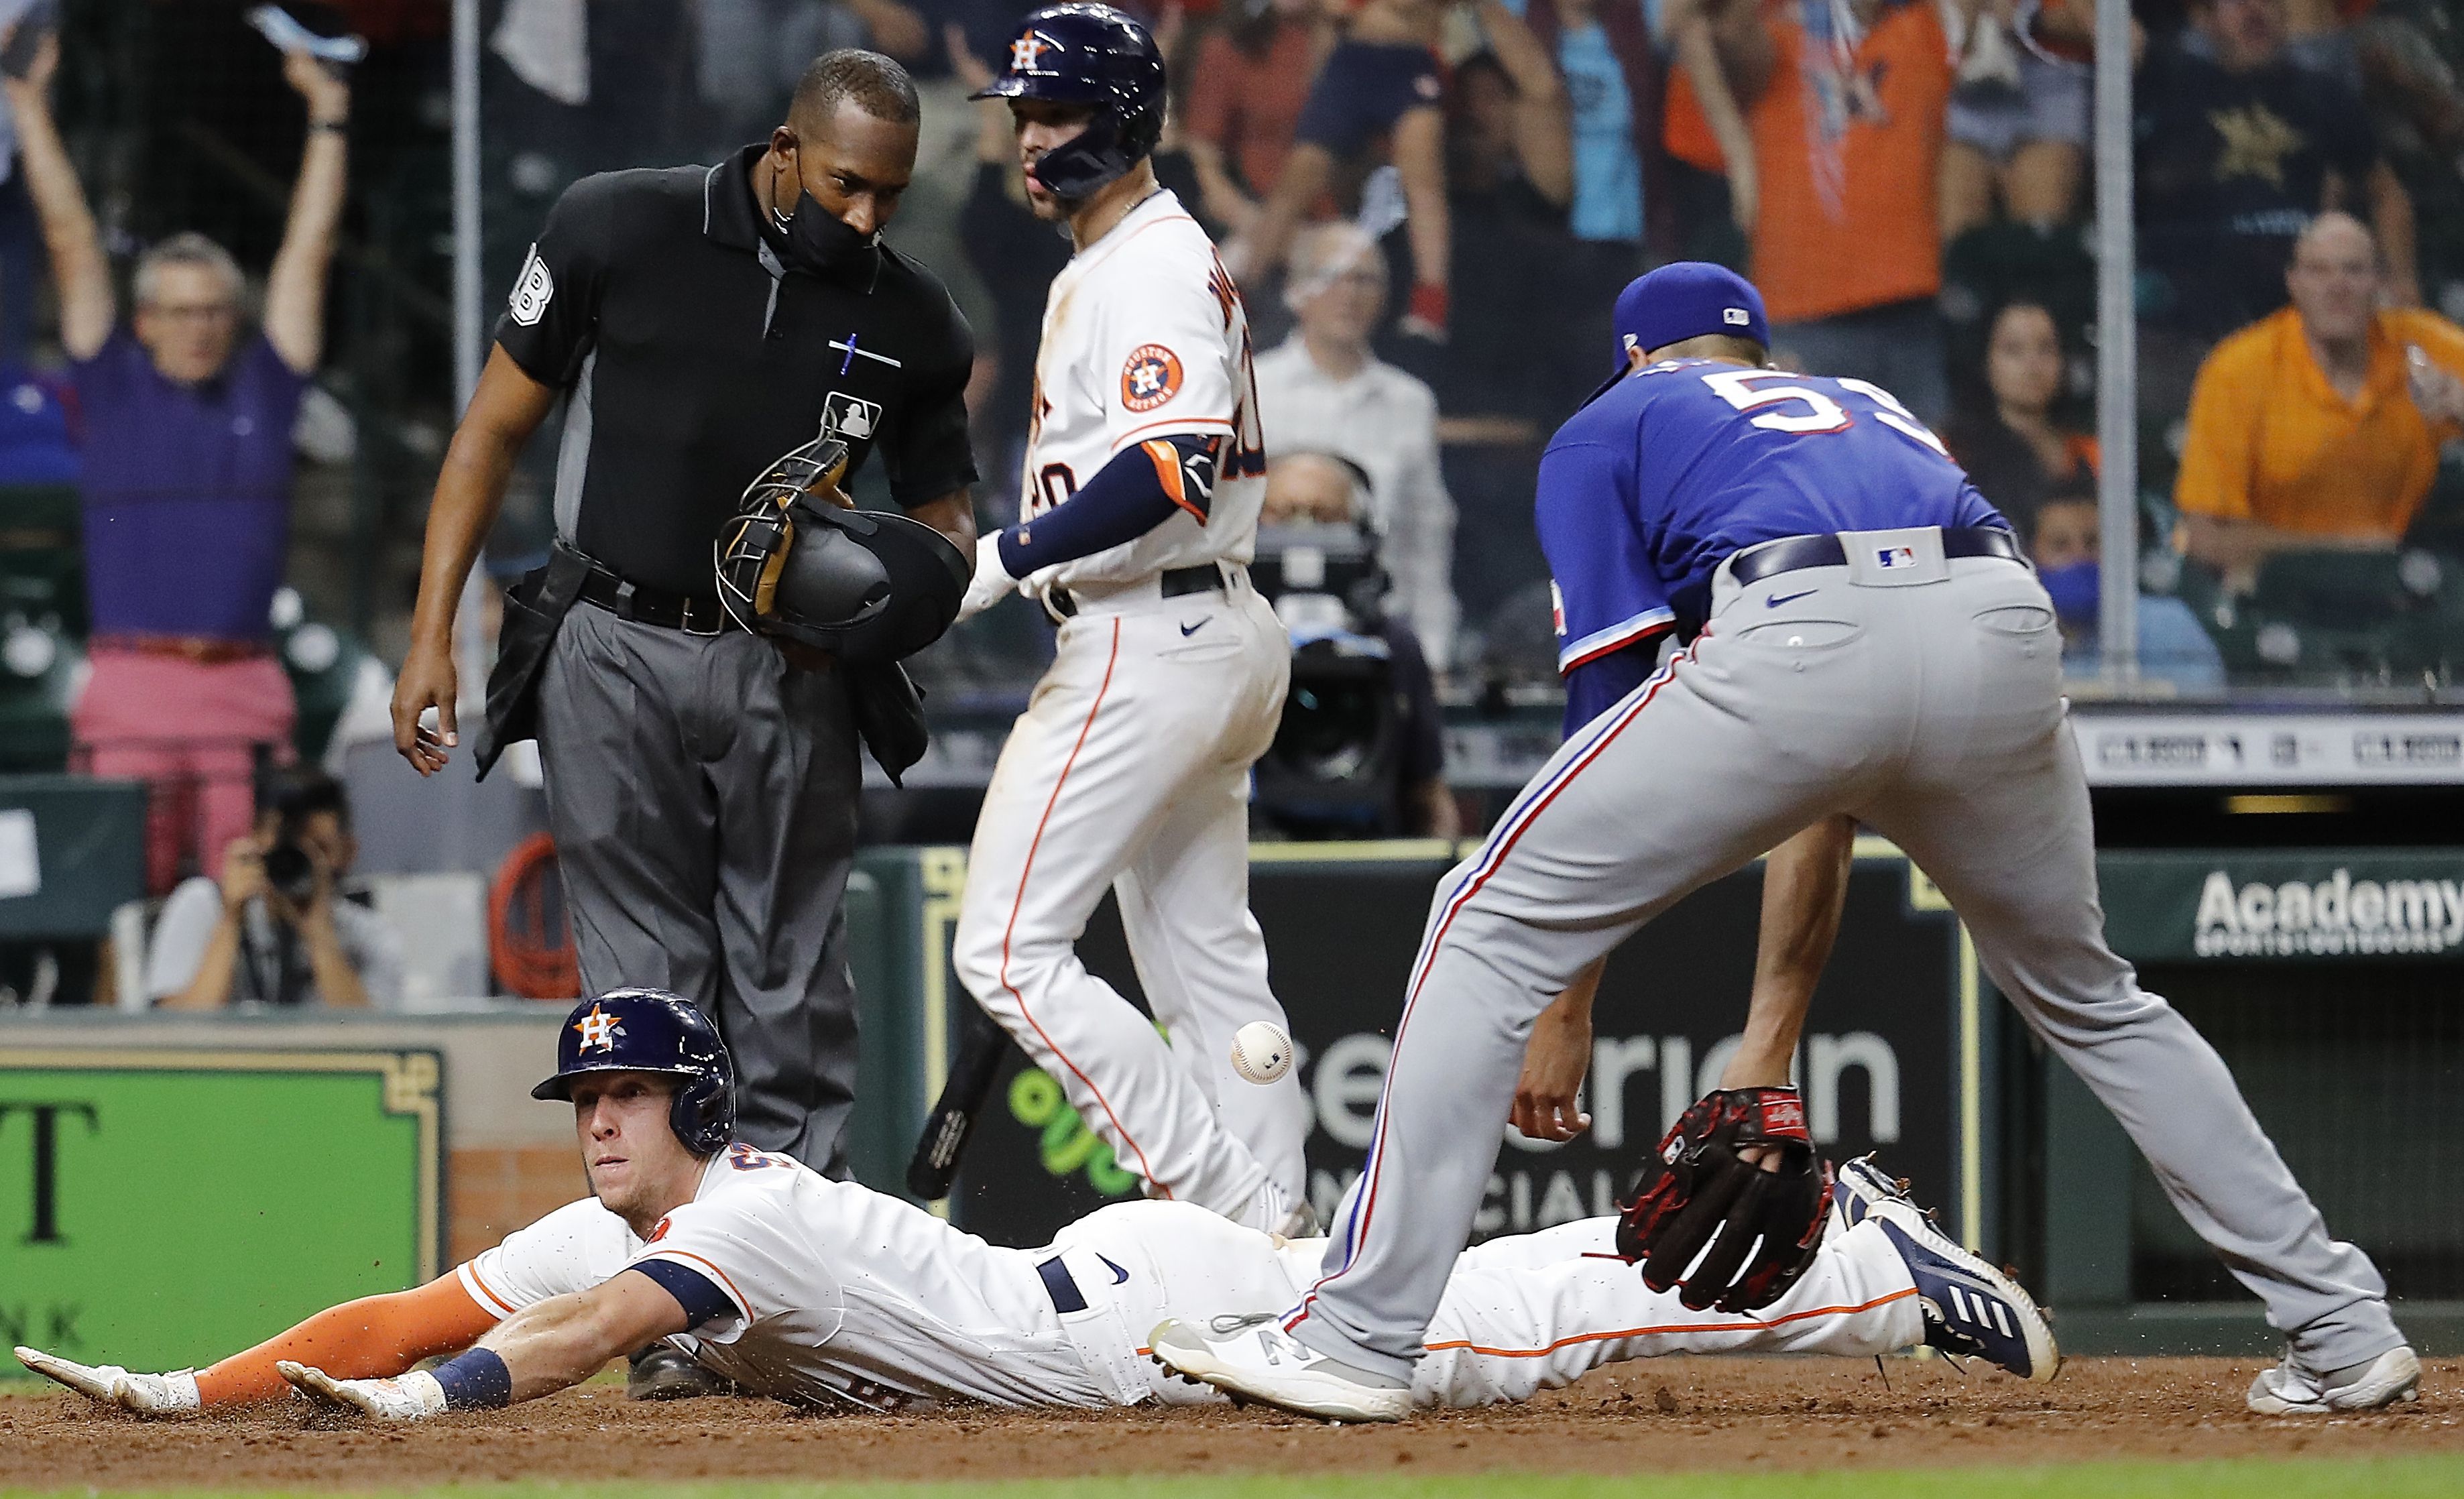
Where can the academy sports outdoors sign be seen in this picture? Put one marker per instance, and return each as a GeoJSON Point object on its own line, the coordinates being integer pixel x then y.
{"type": "Point", "coordinates": [2323, 904]}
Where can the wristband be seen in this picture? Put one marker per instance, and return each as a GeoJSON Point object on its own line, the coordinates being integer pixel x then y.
{"type": "Point", "coordinates": [1429, 304]}
{"type": "Point", "coordinates": [474, 1381]}
{"type": "Point", "coordinates": [342, 127]}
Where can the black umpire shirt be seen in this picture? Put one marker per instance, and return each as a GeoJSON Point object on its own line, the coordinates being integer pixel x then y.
{"type": "Point", "coordinates": [695, 359]}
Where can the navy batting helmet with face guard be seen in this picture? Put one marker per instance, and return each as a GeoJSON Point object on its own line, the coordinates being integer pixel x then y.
{"type": "Point", "coordinates": [652, 1031]}
{"type": "Point", "coordinates": [1091, 55]}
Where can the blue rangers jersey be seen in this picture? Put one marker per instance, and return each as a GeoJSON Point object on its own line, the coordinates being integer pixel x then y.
{"type": "Point", "coordinates": [1650, 487]}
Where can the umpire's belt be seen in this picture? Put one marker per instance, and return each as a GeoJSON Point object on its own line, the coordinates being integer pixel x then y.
{"type": "Point", "coordinates": [1172, 582]}
{"type": "Point", "coordinates": [627, 599]}
{"type": "Point", "coordinates": [1787, 556]}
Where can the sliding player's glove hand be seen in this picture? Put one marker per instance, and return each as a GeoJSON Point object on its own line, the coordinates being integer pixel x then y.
{"type": "Point", "coordinates": [414, 1397]}
{"type": "Point", "coordinates": [1762, 1227]}
{"type": "Point", "coordinates": [145, 1394]}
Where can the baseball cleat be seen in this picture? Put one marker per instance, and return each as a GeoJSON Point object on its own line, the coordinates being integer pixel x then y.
{"type": "Point", "coordinates": [1971, 1310]}
{"type": "Point", "coordinates": [2392, 1379]}
{"type": "Point", "coordinates": [1857, 1186]}
{"type": "Point", "coordinates": [1253, 1358]}
{"type": "Point", "coordinates": [145, 1394]}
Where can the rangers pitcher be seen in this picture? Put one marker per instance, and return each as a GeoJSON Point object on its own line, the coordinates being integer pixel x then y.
{"type": "Point", "coordinates": [823, 1293]}
{"type": "Point", "coordinates": [1130, 768]}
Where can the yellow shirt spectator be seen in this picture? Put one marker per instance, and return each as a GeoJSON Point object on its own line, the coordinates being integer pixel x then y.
{"type": "Point", "coordinates": [2272, 441]}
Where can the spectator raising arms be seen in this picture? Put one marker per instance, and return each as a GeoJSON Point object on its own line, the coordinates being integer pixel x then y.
{"type": "Point", "coordinates": [186, 474]}
{"type": "Point", "coordinates": [1847, 137]}
{"type": "Point", "coordinates": [1378, 94]}
{"type": "Point", "coordinates": [1244, 103]}
{"type": "Point", "coordinates": [2238, 146]}
{"type": "Point", "coordinates": [1322, 389]}
{"type": "Point", "coordinates": [2013, 447]}
{"type": "Point", "coordinates": [2320, 426]}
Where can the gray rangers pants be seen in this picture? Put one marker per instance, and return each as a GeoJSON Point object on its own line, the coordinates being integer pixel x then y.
{"type": "Point", "coordinates": [1924, 699]}
{"type": "Point", "coordinates": [702, 794]}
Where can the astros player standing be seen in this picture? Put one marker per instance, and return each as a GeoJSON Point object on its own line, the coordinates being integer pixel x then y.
{"type": "Point", "coordinates": [1870, 642]}
{"type": "Point", "coordinates": [1129, 767]}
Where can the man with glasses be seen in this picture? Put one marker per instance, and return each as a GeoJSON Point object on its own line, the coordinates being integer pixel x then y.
{"type": "Point", "coordinates": [187, 415]}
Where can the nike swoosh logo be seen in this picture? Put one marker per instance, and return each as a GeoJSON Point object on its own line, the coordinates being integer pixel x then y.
{"type": "Point", "coordinates": [1787, 598]}
{"type": "Point", "coordinates": [1187, 630]}
{"type": "Point", "coordinates": [1120, 1276]}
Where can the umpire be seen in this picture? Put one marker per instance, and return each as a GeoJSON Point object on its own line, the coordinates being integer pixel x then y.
{"type": "Point", "coordinates": [702, 785]}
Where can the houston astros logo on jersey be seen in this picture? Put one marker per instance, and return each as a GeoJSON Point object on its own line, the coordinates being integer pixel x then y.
{"type": "Point", "coordinates": [598, 1030]}
{"type": "Point", "coordinates": [1150, 377]}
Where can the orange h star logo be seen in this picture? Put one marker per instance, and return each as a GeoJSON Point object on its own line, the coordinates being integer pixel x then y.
{"type": "Point", "coordinates": [598, 1030]}
{"type": "Point", "coordinates": [1023, 52]}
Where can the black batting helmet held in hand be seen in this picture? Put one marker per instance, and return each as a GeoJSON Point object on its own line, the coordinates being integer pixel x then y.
{"type": "Point", "coordinates": [866, 585]}
{"type": "Point", "coordinates": [652, 1030]}
{"type": "Point", "coordinates": [1095, 56]}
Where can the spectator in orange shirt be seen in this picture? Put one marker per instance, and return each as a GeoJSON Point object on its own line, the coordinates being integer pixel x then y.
{"type": "Point", "coordinates": [1847, 133]}
{"type": "Point", "coordinates": [2320, 424]}
{"type": "Point", "coordinates": [1244, 100]}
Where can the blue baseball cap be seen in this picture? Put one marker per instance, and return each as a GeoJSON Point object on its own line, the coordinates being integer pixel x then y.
{"type": "Point", "coordinates": [1687, 299]}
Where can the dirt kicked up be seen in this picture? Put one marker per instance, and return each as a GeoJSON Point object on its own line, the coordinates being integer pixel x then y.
{"type": "Point", "coordinates": [1675, 1414]}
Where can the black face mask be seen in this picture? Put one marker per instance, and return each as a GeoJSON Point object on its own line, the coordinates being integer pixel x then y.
{"type": "Point", "coordinates": [820, 242]}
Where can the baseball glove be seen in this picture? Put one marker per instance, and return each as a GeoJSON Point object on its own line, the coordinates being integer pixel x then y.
{"type": "Point", "coordinates": [1761, 1227]}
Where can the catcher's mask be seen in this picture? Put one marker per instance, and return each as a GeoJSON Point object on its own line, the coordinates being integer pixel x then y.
{"type": "Point", "coordinates": [866, 585]}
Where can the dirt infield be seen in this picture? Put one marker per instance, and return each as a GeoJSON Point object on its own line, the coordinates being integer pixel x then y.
{"type": "Point", "coordinates": [1698, 1413]}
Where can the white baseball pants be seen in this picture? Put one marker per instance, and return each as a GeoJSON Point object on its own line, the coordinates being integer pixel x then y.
{"type": "Point", "coordinates": [1130, 769]}
{"type": "Point", "coordinates": [1521, 1314]}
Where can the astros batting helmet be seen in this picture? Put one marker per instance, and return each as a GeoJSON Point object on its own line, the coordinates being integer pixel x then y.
{"type": "Point", "coordinates": [1095, 56]}
{"type": "Point", "coordinates": [652, 1031]}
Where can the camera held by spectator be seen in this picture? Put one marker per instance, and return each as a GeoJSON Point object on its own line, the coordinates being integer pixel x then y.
{"type": "Point", "coordinates": [1360, 752]}
{"type": "Point", "coordinates": [279, 927]}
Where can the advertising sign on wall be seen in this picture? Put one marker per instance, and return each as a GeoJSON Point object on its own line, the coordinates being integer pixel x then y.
{"type": "Point", "coordinates": [161, 1208]}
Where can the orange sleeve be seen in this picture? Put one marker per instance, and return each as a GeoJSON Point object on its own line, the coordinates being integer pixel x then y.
{"type": "Point", "coordinates": [374, 1337]}
{"type": "Point", "coordinates": [2219, 449]}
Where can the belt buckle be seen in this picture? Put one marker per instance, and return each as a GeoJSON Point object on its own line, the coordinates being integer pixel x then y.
{"type": "Point", "coordinates": [717, 624]}
{"type": "Point", "coordinates": [1058, 606]}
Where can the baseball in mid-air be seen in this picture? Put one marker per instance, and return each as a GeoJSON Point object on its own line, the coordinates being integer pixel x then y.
{"type": "Point", "coordinates": [1261, 1052]}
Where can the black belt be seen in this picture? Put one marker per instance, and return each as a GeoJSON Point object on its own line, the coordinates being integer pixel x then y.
{"type": "Point", "coordinates": [1175, 582]}
{"type": "Point", "coordinates": [648, 605]}
{"type": "Point", "coordinates": [1828, 551]}
{"type": "Point", "coordinates": [1058, 1284]}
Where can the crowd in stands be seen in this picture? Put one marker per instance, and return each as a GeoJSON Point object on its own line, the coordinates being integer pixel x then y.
{"type": "Point", "coordinates": [1430, 205]}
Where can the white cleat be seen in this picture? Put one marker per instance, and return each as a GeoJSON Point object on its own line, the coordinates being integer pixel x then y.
{"type": "Point", "coordinates": [2392, 1379]}
{"type": "Point", "coordinates": [143, 1394]}
{"type": "Point", "coordinates": [414, 1397]}
{"type": "Point", "coordinates": [1253, 1358]}
{"type": "Point", "coordinates": [1971, 1310]}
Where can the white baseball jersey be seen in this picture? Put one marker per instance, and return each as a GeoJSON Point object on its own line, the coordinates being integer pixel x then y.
{"type": "Point", "coordinates": [1145, 337]}
{"type": "Point", "coordinates": [839, 1294]}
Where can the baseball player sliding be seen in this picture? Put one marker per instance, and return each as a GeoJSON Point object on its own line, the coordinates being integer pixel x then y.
{"type": "Point", "coordinates": [1130, 768]}
{"type": "Point", "coordinates": [1866, 640]}
{"type": "Point", "coordinates": [821, 1292]}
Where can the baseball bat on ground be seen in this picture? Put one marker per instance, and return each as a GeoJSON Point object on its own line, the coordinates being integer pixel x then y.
{"type": "Point", "coordinates": [982, 1046]}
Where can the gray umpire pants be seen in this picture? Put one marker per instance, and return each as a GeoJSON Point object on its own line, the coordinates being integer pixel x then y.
{"type": "Point", "coordinates": [1932, 711]}
{"type": "Point", "coordinates": [702, 794]}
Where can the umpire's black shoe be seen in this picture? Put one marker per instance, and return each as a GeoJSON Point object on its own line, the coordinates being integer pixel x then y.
{"type": "Point", "coordinates": [660, 1372]}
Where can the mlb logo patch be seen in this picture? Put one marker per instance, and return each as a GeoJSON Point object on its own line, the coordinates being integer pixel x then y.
{"type": "Point", "coordinates": [850, 417]}
{"type": "Point", "coordinates": [1896, 556]}
{"type": "Point", "coordinates": [1737, 317]}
